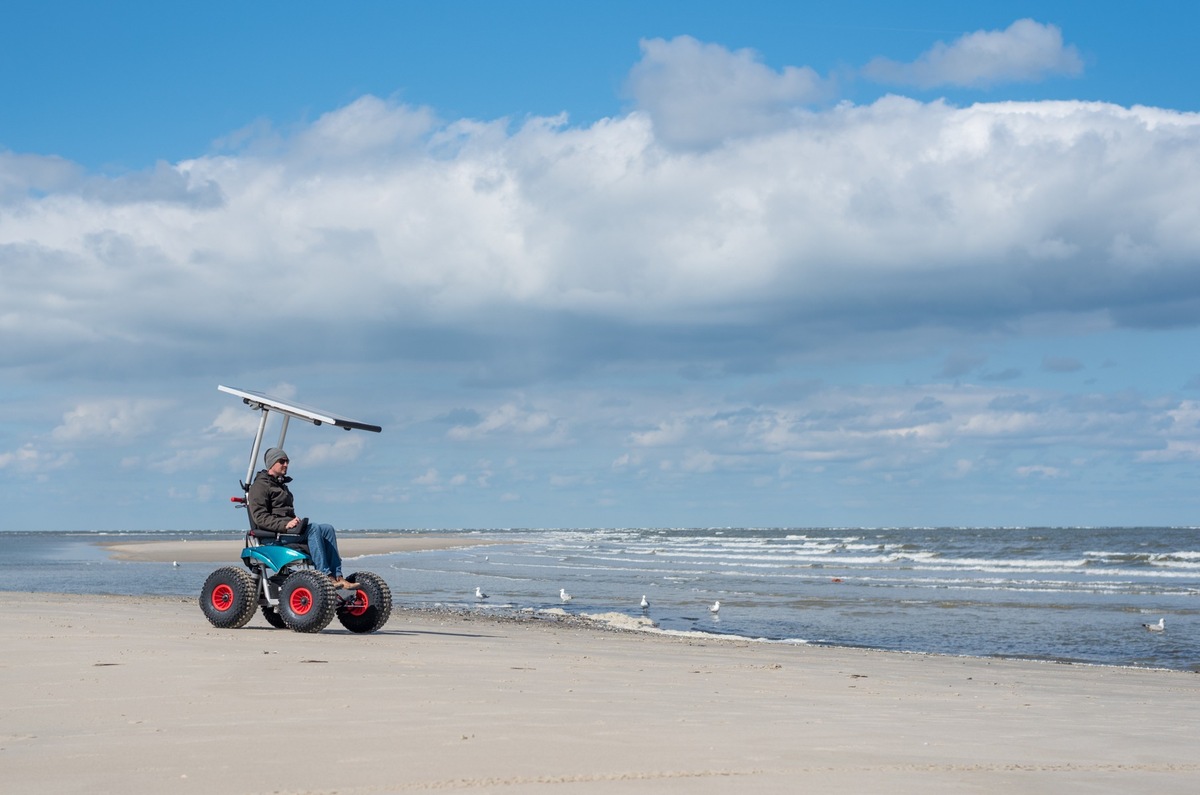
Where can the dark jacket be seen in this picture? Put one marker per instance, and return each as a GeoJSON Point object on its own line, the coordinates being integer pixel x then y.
{"type": "Point", "coordinates": [271, 504]}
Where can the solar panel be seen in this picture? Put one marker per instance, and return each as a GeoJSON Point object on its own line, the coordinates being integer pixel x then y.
{"type": "Point", "coordinates": [292, 409]}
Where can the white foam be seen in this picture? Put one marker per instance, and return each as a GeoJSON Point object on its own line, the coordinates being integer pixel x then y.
{"type": "Point", "coordinates": [620, 620]}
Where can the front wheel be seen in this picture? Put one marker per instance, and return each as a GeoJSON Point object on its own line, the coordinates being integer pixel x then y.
{"type": "Point", "coordinates": [228, 597]}
{"type": "Point", "coordinates": [307, 601]}
{"type": "Point", "coordinates": [371, 606]}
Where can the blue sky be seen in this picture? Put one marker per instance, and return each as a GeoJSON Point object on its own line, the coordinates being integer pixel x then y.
{"type": "Point", "coordinates": [625, 263]}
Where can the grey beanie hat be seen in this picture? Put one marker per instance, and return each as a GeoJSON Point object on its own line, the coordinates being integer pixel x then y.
{"type": "Point", "coordinates": [274, 454]}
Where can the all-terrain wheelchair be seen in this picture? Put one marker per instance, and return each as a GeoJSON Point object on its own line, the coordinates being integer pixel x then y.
{"type": "Point", "coordinates": [278, 576]}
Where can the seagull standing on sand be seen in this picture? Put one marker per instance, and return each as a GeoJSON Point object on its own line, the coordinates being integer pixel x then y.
{"type": "Point", "coordinates": [562, 594]}
{"type": "Point", "coordinates": [1159, 627]}
{"type": "Point", "coordinates": [716, 607]}
{"type": "Point", "coordinates": [645, 604]}
{"type": "Point", "coordinates": [480, 594]}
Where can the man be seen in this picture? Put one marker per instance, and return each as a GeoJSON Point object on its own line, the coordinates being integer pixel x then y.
{"type": "Point", "coordinates": [272, 508]}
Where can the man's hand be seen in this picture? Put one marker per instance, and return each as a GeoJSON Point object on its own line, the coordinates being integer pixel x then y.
{"type": "Point", "coordinates": [292, 524]}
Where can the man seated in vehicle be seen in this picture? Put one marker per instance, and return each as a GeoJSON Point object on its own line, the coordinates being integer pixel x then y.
{"type": "Point", "coordinates": [272, 508]}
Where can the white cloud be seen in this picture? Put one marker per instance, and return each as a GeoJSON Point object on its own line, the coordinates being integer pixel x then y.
{"type": "Point", "coordinates": [626, 460]}
{"type": "Point", "coordinates": [1174, 451]}
{"type": "Point", "coordinates": [29, 459]}
{"type": "Point", "coordinates": [484, 473]}
{"type": "Point", "coordinates": [1040, 470]}
{"type": "Point", "coordinates": [900, 429]}
{"type": "Point", "coordinates": [117, 419]}
{"type": "Point", "coordinates": [429, 478]}
{"type": "Point", "coordinates": [700, 461]}
{"type": "Point", "coordinates": [665, 433]}
{"type": "Point", "coordinates": [655, 296]}
{"type": "Point", "coordinates": [1026, 51]}
{"type": "Point", "coordinates": [235, 422]}
{"type": "Point", "coordinates": [520, 257]}
{"type": "Point", "coordinates": [1179, 435]}
{"type": "Point", "coordinates": [928, 214]}
{"type": "Point", "coordinates": [21, 174]}
{"type": "Point", "coordinates": [699, 94]}
{"type": "Point", "coordinates": [511, 420]}
{"type": "Point", "coordinates": [344, 450]}
{"type": "Point", "coordinates": [186, 459]}
{"type": "Point", "coordinates": [368, 126]}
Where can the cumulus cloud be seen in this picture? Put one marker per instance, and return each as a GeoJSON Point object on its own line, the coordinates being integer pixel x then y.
{"type": "Point", "coordinates": [699, 94]}
{"type": "Point", "coordinates": [1040, 470]}
{"type": "Point", "coordinates": [540, 249]}
{"type": "Point", "coordinates": [606, 294]}
{"type": "Point", "coordinates": [29, 458]}
{"type": "Point", "coordinates": [344, 450]}
{"type": "Point", "coordinates": [1179, 427]}
{"type": "Point", "coordinates": [235, 422]}
{"type": "Point", "coordinates": [109, 420]}
{"type": "Point", "coordinates": [429, 477]}
{"type": "Point", "coordinates": [513, 421]}
{"type": "Point", "coordinates": [23, 175]}
{"type": "Point", "coordinates": [1026, 51]}
{"type": "Point", "coordinates": [666, 433]}
{"type": "Point", "coordinates": [898, 429]}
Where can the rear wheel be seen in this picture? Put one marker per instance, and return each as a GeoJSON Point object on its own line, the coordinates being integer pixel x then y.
{"type": "Point", "coordinates": [371, 606]}
{"type": "Point", "coordinates": [228, 597]}
{"type": "Point", "coordinates": [307, 601]}
{"type": "Point", "coordinates": [273, 618]}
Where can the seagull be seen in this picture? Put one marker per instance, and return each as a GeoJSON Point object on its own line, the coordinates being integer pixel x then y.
{"type": "Point", "coordinates": [174, 563]}
{"type": "Point", "coordinates": [1159, 627]}
{"type": "Point", "coordinates": [716, 607]}
{"type": "Point", "coordinates": [480, 594]}
{"type": "Point", "coordinates": [562, 594]}
{"type": "Point", "coordinates": [645, 604]}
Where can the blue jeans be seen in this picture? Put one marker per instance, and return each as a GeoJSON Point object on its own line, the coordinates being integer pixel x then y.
{"type": "Point", "coordinates": [322, 545]}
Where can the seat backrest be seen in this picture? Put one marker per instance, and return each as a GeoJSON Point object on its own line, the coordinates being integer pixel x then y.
{"type": "Point", "coordinates": [256, 535]}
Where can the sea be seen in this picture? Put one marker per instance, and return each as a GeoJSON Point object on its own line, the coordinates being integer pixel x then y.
{"type": "Point", "coordinates": [1070, 595]}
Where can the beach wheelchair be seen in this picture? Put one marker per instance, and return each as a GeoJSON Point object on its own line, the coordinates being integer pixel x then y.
{"type": "Point", "coordinates": [278, 576]}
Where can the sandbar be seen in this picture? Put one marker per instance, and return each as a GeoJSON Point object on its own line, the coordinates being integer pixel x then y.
{"type": "Point", "coordinates": [211, 551]}
{"type": "Point", "coordinates": [140, 695]}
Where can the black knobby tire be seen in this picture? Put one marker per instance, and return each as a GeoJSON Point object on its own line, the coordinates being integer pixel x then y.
{"type": "Point", "coordinates": [307, 601]}
{"type": "Point", "coordinates": [371, 605]}
{"type": "Point", "coordinates": [228, 597]}
{"type": "Point", "coordinates": [273, 618]}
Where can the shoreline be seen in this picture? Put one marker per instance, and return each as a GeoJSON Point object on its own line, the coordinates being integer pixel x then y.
{"type": "Point", "coordinates": [355, 545]}
{"type": "Point", "coordinates": [142, 695]}
{"type": "Point", "coordinates": [625, 623]}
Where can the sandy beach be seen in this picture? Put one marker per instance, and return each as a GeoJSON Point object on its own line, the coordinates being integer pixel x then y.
{"type": "Point", "coordinates": [141, 695]}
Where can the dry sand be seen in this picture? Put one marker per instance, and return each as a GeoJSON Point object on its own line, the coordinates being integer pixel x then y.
{"type": "Point", "coordinates": [141, 695]}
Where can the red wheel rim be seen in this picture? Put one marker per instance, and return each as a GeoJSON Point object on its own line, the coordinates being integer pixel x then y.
{"type": "Point", "coordinates": [301, 601]}
{"type": "Point", "coordinates": [222, 597]}
{"type": "Point", "coordinates": [360, 604]}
